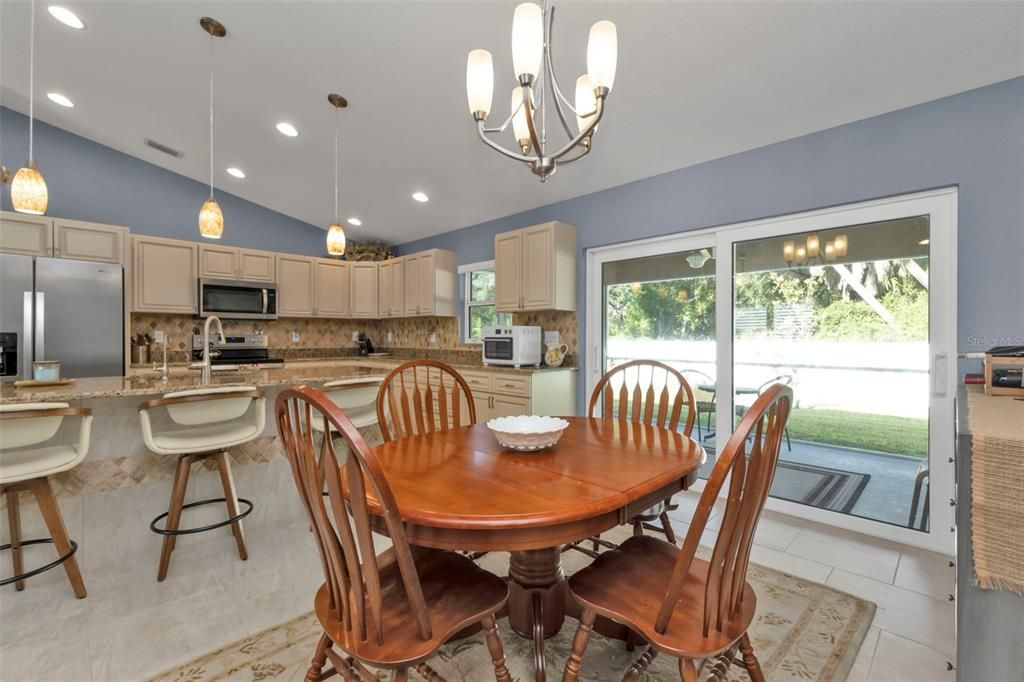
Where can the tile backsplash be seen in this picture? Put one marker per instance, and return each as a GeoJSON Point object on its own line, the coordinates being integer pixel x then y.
{"type": "Point", "coordinates": [319, 336]}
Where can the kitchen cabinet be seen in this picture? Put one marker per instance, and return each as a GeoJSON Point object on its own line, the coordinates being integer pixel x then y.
{"type": "Point", "coordinates": [165, 275]}
{"type": "Point", "coordinates": [332, 298]}
{"type": "Point", "coordinates": [535, 268]}
{"type": "Point", "coordinates": [499, 393]}
{"type": "Point", "coordinates": [391, 288]}
{"type": "Point", "coordinates": [364, 289]}
{"type": "Point", "coordinates": [89, 241]}
{"type": "Point", "coordinates": [295, 286]}
{"type": "Point", "coordinates": [227, 262]}
{"type": "Point", "coordinates": [25, 235]}
{"type": "Point", "coordinates": [430, 283]}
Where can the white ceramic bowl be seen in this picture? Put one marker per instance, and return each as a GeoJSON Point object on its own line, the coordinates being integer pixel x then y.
{"type": "Point", "coordinates": [527, 433]}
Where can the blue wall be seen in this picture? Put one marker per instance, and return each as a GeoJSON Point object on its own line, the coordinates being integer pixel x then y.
{"type": "Point", "coordinates": [88, 181]}
{"type": "Point", "coordinates": [974, 140]}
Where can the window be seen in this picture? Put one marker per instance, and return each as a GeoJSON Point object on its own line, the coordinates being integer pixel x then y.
{"type": "Point", "coordinates": [478, 288]}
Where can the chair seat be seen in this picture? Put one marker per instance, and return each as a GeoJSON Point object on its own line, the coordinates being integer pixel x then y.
{"type": "Point", "coordinates": [215, 436]}
{"type": "Point", "coordinates": [628, 585]}
{"type": "Point", "coordinates": [361, 417]}
{"type": "Point", "coordinates": [26, 464]}
{"type": "Point", "coordinates": [458, 593]}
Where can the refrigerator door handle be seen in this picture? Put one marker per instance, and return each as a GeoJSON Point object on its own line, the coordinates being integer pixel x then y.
{"type": "Point", "coordinates": [27, 337]}
{"type": "Point", "coordinates": [40, 328]}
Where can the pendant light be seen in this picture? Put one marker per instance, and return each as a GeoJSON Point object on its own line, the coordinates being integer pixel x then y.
{"type": "Point", "coordinates": [336, 234]}
{"type": "Point", "coordinates": [211, 220]}
{"type": "Point", "coordinates": [28, 189]}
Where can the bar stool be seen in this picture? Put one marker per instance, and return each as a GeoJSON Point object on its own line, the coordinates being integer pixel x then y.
{"type": "Point", "coordinates": [218, 419]}
{"type": "Point", "coordinates": [24, 467]}
{"type": "Point", "coordinates": [357, 398]}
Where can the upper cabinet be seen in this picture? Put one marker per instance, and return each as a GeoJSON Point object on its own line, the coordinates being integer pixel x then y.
{"type": "Point", "coordinates": [165, 273]}
{"type": "Point", "coordinates": [332, 287]}
{"type": "Point", "coordinates": [295, 286]}
{"type": "Point", "coordinates": [227, 262]}
{"type": "Point", "coordinates": [430, 283]}
{"type": "Point", "coordinates": [391, 288]}
{"type": "Point", "coordinates": [26, 235]}
{"type": "Point", "coordinates": [364, 289]}
{"type": "Point", "coordinates": [89, 241]}
{"type": "Point", "coordinates": [535, 268]}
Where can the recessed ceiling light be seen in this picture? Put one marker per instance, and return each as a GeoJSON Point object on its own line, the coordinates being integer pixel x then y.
{"type": "Point", "coordinates": [66, 17]}
{"type": "Point", "coordinates": [288, 129]}
{"type": "Point", "coordinates": [924, 242]}
{"type": "Point", "coordinates": [356, 222]}
{"type": "Point", "coordinates": [60, 99]}
{"type": "Point", "coordinates": [420, 197]}
{"type": "Point", "coordinates": [237, 172]}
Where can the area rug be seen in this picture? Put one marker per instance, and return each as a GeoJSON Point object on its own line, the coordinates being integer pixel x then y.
{"type": "Point", "coordinates": [803, 631]}
{"type": "Point", "coordinates": [818, 486]}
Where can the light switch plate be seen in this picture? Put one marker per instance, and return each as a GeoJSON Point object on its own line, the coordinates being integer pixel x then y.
{"type": "Point", "coordinates": [295, 337]}
{"type": "Point", "coordinates": [551, 338]}
{"type": "Point", "coordinates": [158, 336]}
{"type": "Point", "coordinates": [355, 336]}
{"type": "Point", "coordinates": [391, 337]}
{"type": "Point", "coordinates": [433, 337]}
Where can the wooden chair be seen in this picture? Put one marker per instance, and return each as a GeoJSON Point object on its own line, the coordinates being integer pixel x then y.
{"type": "Point", "coordinates": [423, 396]}
{"type": "Point", "coordinates": [392, 611]}
{"type": "Point", "coordinates": [707, 606]}
{"type": "Point", "coordinates": [658, 395]}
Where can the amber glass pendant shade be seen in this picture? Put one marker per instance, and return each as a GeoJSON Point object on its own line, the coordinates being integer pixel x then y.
{"type": "Point", "coordinates": [211, 220]}
{"type": "Point", "coordinates": [336, 240]}
{"type": "Point", "coordinates": [28, 191]}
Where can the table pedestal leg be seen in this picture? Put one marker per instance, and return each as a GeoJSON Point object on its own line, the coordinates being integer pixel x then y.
{"type": "Point", "coordinates": [536, 607]}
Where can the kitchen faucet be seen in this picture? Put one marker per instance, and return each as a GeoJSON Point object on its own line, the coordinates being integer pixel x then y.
{"type": "Point", "coordinates": [207, 353]}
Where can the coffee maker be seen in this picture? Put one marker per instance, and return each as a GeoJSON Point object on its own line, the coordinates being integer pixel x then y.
{"type": "Point", "coordinates": [8, 355]}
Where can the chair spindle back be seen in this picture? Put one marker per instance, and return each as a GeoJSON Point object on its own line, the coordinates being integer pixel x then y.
{"type": "Point", "coordinates": [648, 392]}
{"type": "Point", "coordinates": [341, 524]}
{"type": "Point", "coordinates": [423, 396]}
{"type": "Point", "coordinates": [750, 478]}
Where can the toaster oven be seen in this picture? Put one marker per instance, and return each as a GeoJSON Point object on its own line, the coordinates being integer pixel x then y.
{"type": "Point", "coordinates": [514, 345]}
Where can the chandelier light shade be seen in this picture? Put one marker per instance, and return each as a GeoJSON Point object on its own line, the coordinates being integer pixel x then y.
{"type": "Point", "coordinates": [789, 251]}
{"type": "Point", "coordinates": [28, 189]}
{"type": "Point", "coordinates": [801, 254]}
{"type": "Point", "coordinates": [813, 245]}
{"type": "Point", "coordinates": [527, 40]}
{"type": "Point", "coordinates": [479, 82]}
{"type": "Point", "coordinates": [602, 54]}
{"type": "Point", "coordinates": [211, 220]}
{"type": "Point", "coordinates": [840, 245]}
{"type": "Point", "coordinates": [830, 251]}
{"type": "Point", "coordinates": [336, 240]}
{"type": "Point", "coordinates": [537, 91]}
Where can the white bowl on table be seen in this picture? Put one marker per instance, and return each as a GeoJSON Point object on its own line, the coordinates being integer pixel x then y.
{"type": "Point", "coordinates": [527, 433]}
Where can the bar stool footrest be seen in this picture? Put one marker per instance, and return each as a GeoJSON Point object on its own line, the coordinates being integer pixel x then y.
{"type": "Point", "coordinates": [42, 569]}
{"type": "Point", "coordinates": [202, 529]}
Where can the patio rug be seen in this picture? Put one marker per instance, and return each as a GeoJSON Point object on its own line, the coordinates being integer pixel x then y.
{"type": "Point", "coordinates": [803, 631]}
{"type": "Point", "coordinates": [819, 486]}
{"type": "Point", "coordinates": [997, 488]}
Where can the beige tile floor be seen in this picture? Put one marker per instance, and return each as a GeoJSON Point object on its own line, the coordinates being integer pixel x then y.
{"type": "Point", "coordinates": [130, 626]}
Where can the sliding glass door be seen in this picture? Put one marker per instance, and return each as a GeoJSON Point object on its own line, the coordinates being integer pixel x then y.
{"type": "Point", "coordinates": [841, 305]}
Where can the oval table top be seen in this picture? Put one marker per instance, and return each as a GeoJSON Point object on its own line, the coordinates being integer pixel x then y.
{"type": "Point", "coordinates": [459, 489]}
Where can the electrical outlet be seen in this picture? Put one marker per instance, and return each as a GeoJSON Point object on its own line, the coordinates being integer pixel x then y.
{"type": "Point", "coordinates": [433, 337]}
{"type": "Point", "coordinates": [355, 336]}
{"type": "Point", "coordinates": [158, 336]}
{"type": "Point", "coordinates": [295, 337]}
{"type": "Point", "coordinates": [391, 337]}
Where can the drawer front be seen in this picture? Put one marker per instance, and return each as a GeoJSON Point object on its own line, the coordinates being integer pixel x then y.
{"type": "Point", "coordinates": [478, 381]}
{"type": "Point", "coordinates": [512, 385]}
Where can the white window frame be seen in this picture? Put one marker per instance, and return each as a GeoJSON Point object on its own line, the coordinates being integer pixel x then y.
{"type": "Point", "coordinates": [941, 207]}
{"type": "Point", "coordinates": [466, 272]}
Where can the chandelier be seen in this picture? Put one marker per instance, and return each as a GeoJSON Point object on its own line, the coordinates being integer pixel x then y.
{"type": "Point", "coordinates": [537, 86]}
{"type": "Point", "coordinates": [802, 254]}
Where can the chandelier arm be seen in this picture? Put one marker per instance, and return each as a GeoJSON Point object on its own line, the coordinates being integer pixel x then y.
{"type": "Point", "coordinates": [549, 63]}
{"type": "Point", "coordinates": [527, 96]}
{"type": "Point", "coordinates": [497, 147]}
{"type": "Point", "coordinates": [504, 126]}
{"type": "Point", "coordinates": [583, 133]}
{"type": "Point", "coordinates": [586, 150]}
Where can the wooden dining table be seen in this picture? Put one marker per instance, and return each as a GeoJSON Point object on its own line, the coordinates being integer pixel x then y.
{"type": "Point", "coordinates": [460, 490]}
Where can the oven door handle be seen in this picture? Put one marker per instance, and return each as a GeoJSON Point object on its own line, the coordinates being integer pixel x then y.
{"type": "Point", "coordinates": [266, 300]}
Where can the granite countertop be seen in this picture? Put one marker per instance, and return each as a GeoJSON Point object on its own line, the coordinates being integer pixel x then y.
{"type": "Point", "coordinates": [150, 384]}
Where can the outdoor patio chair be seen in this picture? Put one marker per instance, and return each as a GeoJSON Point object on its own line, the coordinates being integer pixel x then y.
{"type": "Point", "coordinates": [785, 380]}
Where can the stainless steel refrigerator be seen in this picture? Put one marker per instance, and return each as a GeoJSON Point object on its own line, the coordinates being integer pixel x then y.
{"type": "Point", "coordinates": [66, 310]}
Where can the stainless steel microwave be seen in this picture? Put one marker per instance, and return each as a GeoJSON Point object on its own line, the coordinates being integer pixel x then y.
{"type": "Point", "coordinates": [237, 300]}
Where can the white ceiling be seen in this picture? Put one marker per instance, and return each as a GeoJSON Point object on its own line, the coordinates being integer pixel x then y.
{"type": "Point", "coordinates": [696, 81]}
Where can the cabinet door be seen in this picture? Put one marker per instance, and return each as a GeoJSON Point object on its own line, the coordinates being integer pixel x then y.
{"type": "Point", "coordinates": [411, 286]}
{"type": "Point", "coordinates": [397, 287]}
{"type": "Point", "coordinates": [482, 402]}
{"type": "Point", "coordinates": [89, 241]}
{"type": "Point", "coordinates": [25, 234]}
{"type": "Point", "coordinates": [332, 288]}
{"type": "Point", "coordinates": [426, 275]}
{"type": "Point", "coordinates": [508, 271]}
{"type": "Point", "coordinates": [165, 274]}
{"type": "Point", "coordinates": [509, 406]}
{"type": "Point", "coordinates": [218, 262]}
{"type": "Point", "coordinates": [538, 283]}
{"type": "Point", "coordinates": [295, 293]}
{"type": "Point", "coordinates": [385, 292]}
{"type": "Point", "coordinates": [364, 290]}
{"type": "Point", "coordinates": [256, 266]}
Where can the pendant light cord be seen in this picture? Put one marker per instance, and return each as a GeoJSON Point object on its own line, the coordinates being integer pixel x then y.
{"type": "Point", "coordinates": [31, 80]}
{"type": "Point", "coordinates": [336, 166]}
{"type": "Point", "coordinates": [211, 115]}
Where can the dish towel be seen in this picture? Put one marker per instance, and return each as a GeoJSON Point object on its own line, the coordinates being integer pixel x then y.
{"type": "Point", "coordinates": [997, 489]}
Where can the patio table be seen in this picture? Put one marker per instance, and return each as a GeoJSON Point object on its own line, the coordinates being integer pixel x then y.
{"type": "Point", "coordinates": [711, 388]}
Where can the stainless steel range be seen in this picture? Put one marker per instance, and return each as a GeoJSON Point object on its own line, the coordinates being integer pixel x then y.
{"type": "Point", "coordinates": [249, 349]}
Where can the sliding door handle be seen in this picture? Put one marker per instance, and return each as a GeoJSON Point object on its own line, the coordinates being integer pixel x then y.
{"type": "Point", "coordinates": [940, 369]}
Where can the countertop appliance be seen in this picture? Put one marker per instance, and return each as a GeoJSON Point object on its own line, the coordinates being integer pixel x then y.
{"type": "Point", "coordinates": [250, 349]}
{"type": "Point", "coordinates": [515, 345]}
{"type": "Point", "coordinates": [66, 310]}
{"type": "Point", "coordinates": [231, 299]}
{"type": "Point", "coordinates": [365, 345]}
{"type": "Point", "coordinates": [8, 354]}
